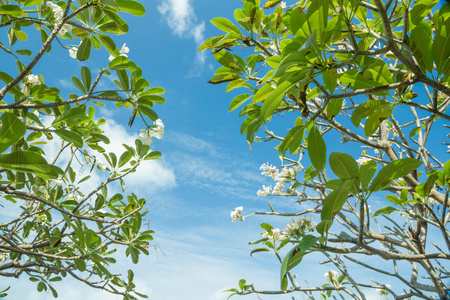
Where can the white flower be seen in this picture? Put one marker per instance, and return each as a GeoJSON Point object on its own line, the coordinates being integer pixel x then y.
{"type": "Point", "coordinates": [122, 52]}
{"type": "Point", "coordinates": [278, 188]}
{"type": "Point", "coordinates": [71, 196]}
{"type": "Point", "coordinates": [331, 276]}
{"type": "Point", "coordinates": [269, 170]}
{"type": "Point", "coordinates": [73, 52]}
{"type": "Point", "coordinates": [283, 4]}
{"type": "Point", "coordinates": [65, 28]}
{"type": "Point", "coordinates": [237, 214]}
{"type": "Point", "coordinates": [276, 235]}
{"type": "Point", "coordinates": [158, 129]}
{"type": "Point", "coordinates": [58, 182]}
{"type": "Point", "coordinates": [146, 137]}
{"type": "Point", "coordinates": [101, 166]}
{"type": "Point", "coordinates": [265, 191]}
{"type": "Point", "coordinates": [30, 81]}
{"type": "Point", "coordinates": [362, 160]}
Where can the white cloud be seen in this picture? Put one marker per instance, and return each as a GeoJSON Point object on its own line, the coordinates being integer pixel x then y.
{"type": "Point", "coordinates": [181, 18]}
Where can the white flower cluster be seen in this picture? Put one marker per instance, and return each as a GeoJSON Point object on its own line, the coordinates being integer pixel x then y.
{"type": "Point", "coordinates": [30, 81]}
{"type": "Point", "coordinates": [362, 160]}
{"type": "Point", "coordinates": [156, 131]}
{"type": "Point", "coordinates": [299, 227]}
{"type": "Point", "coordinates": [331, 276]}
{"type": "Point", "coordinates": [285, 176]}
{"type": "Point", "coordinates": [58, 13]}
{"type": "Point", "coordinates": [237, 214]}
{"type": "Point", "coordinates": [73, 52]}
{"type": "Point", "coordinates": [265, 191]}
{"type": "Point", "coordinates": [276, 235]}
{"type": "Point", "coordinates": [122, 52]}
{"type": "Point", "coordinates": [283, 4]}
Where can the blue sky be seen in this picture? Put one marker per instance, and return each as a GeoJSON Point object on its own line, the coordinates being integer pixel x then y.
{"type": "Point", "coordinates": [207, 168]}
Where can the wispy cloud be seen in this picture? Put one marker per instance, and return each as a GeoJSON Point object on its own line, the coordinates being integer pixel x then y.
{"type": "Point", "coordinates": [180, 17]}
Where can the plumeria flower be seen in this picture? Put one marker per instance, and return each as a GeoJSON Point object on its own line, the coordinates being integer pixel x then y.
{"type": "Point", "coordinates": [122, 52]}
{"type": "Point", "coordinates": [276, 235]}
{"type": "Point", "coordinates": [362, 160]}
{"type": "Point", "coordinates": [237, 214]}
{"type": "Point", "coordinates": [30, 81]}
{"type": "Point", "coordinates": [331, 276]}
{"type": "Point", "coordinates": [264, 192]}
{"type": "Point", "coordinates": [73, 52]}
{"type": "Point", "coordinates": [101, 166]}
{"type": "Point", "coordinates": [283, 4]}
{"type": "Point", "coordinates": [157, 131]}
{"type": "Point", "coordinates": [146, 137]}
{"type": "Point", "coordinates": [58, 14]}
{"type": "Point", "coordinates": [58, 182]}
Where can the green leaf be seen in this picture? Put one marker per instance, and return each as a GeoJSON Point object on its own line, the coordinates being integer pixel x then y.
{"type": "Point", "coordinates": [294, 257]}
{"type": "Point", "coordinates": [414, 131]}
{"type": "Point", "coordinates": [317, 149]}
{"type": "Point", "coordinates": [70, 136]}
{"type": "Point", "coordinates": [333, 203]}
{"type": "Point", "coordinates": [262, 93]}
{"type": "Point", "coordinates": [24, 52]}
{"type": "Point", "coordinates": [109, 44]}
{"type": "Point", "coordinates": [366, 172]}
{"type": "Point", "coordinates": [441, 46]}
{"type": "Point", "coordinates": [84, 50]}
{"type": "Point", "coordinates": [355, 79]}
{"type": "Point", "coordinates": [334, 108]}
{"type": "Point", "coordinates": [366, 109]}
{"type": "Point", "coordinates": [11, 131]}
{"type": "Point", "coordinates": [292, 140]}
{"type": "Point", "coordinates": [393, 170]}
{"type": "Point", "coordinates": [345, 167]}
{"type": "Point", "coordinates": [238, 101]}
{"type": "Point", "coordinates": [378, 115]}
{"type": "Point", "coordinates": [259, 250]}
{"type": "Point", "coordinates": [285, 83]}
{"type": "Point", "coordinates": [12, 10]}
{"type": "Point", "coordinates": [420, 10]}
{"type": "Point", "coordinates": [385, 210]}
{"type": "Point", "coordinates": [330, 80]}
{"type": "Point", "coordinates": [70, 115]}
{"type": "Point", "coordinates": [133, 7]}
{"type": "Point", "coordinates": [421, 36]}
{"type": "Point", "coordinates": [225, 25]}
{"type": "Point", "coordinates": [122, 63]}
{"type": "Point", "coordinates": [25, 161]}
{"type": "Point", "coordinates": [86, 77]}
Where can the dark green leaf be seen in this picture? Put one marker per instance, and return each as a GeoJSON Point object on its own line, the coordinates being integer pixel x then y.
{"type": "Point", "coordinates": [393, 170]}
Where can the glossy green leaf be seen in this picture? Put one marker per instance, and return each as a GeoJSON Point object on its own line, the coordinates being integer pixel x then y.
{"type": "Point", "coordinates": [441, 46]}
{"type": "Point", "coordinates": [380, 114]}
{"type": "Point", "coordinates": [11, 131]}
{"type": "Point", "coordinates": [70, 136]}
{"type": "Point", "coordinates": [292, 140]}
{"type": "Point", "coordinates": [109, 44]}
{"type": "Point", "coordinates": [366, 173]}
{"type": "Point", "coordinates": [355, 79]}
{"type": "Point", "coordinates": [333, 203]}
{"type": "Point", "coordinates": [70, 115]}
{"type": "Point", "coordinates": [366, 109]}
{"type": "Point", "coordinates": [274, 99]}
{"type": "Point", "coordinates": [343, 165]}
{"type": "Point", "coordinates": [334, 107]}
{"type": "Point", "coordinates": [294, 257]}
{"type": "Point", "coordinates": [84, 50]}
{"type": "Point", "coordinates": [24, 52]}
{"type": "Point", "coordinates": [317, 149]}
{"type": "Point", "coordinates": [133, 7]}
{"type": "Point", "coordinates": [225, 25]}
{"type": "Point", "coordinates": [238, 101]}
{"type": "Point", "coordinates": [421, 36]}
{"type": "Point", "coordinates": [330, 80]}
{"type": "Point", "coordinates": [86, 77]}
{"type": "Point", "coordinates": [385, 211]}
{"type": "Point", "coordinates": [12, 10]}
{"type": "Point", "coordinates": [24, 161]}
{"type": "Point", "coordinates": [420, 10]}
{"type": "Point", "coordinates": [393, 170]}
